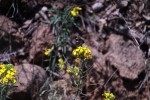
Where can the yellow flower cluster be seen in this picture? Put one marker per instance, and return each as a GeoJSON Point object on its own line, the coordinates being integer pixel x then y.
{"type": "Point", "coordinates": [108, 96]}
{"type": "Point", "coordinates": [7, 74]}
{"type": "Point", "coordinates": [61, 63]}
{"type": "Point", "coordinates": [82, 52]}
{"type": "Point", "coordinates": [75, 11]}
{"type": "Point", "coordinates": [73, 70]}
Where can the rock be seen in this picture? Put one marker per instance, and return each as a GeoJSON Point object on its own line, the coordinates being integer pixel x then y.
{"type": "Point", "coordinates": [98, 5]}
{"type": "Point", "coordinates": [8, 38]}
{"type": "Point", "coordinates": [146, 17]}
{"type": "Point", "coordinates": [44, 9]}
{"type": "Point", "coordinates": [29, 79]}
{"type": "Point", "coordinates": [125, 56]}
{"type": "Point", "coordinates": [61, 89]}
{"type": "Point", "coordinates": [41, 38]}
{"type": "Point", "coordinates": [123, 3]}
{"type": "Point", "coordinates": [7, 25]}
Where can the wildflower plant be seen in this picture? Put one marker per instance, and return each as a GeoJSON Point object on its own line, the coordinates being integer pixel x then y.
{"type": "Point", "coordinates": [77, 70]}
{"type": "Point", "coordinates": [7, 79]}
{"type": "Point", "coordinates": [81, 54]}
{"type": "Point", "coordinates": [60, 57]}
{"type": "Point", "coordinates": [62, 21]}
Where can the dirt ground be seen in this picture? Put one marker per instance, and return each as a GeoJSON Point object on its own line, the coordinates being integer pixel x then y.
{"type": "Point", "coordinates": [116, 31]}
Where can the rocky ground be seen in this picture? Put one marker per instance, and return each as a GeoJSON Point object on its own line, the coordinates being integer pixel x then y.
{"type": "Point", "coordinates": [116, 31]}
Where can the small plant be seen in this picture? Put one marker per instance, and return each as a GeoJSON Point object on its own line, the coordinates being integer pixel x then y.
{"type": "Point", "coordinates": [81, 54]}
{"type": "Point", "coordinates": [77, 68]}
{"type": "Point", "coordinates": [71, 61]}
{"type": "Point", "coordinates": [62, 21]}
{"type": "Point", "coordinates": [108, 96]}
{"type": "Point", "coordinates": [7, 79]}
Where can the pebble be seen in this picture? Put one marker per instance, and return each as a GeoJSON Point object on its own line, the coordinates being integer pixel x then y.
{"type": "Point", "coordinates": [97, 6]}
{"type": "Point", "coordinates": [44, 9]}
{"type": "Point", "coordinates": [123, 3]}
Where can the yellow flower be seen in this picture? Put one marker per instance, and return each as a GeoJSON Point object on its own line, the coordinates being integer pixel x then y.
{"type": "Point", "coordinates": [2, 65]}
{"type": "Point", "coordinates": [61, 63]}
{"type": "Point", "coordinates": [47, 52]}
{"type": "Point", "coordinates": [4, 80]}
{"type": "Point", "coordinates": [82, 52]}
{"type": "Point", "coordinates": [68, 71]}
{"type": "Point", "coordinates": [9, 76]}
{"type": "Point", "coordinates": [78, 60]}
{"type": "Point", "coordinates": [14, 81]}
{"type": "Point", "coordinates": [2, 69]}
{"type": "Point", "coordinates": [76, 70]}
{"type": "Point", "coordinates": [75, 11]}
{"type": "Point", "coordinates": [108, 96]}
{"type": "Point", "coordinates": [73, 70]}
